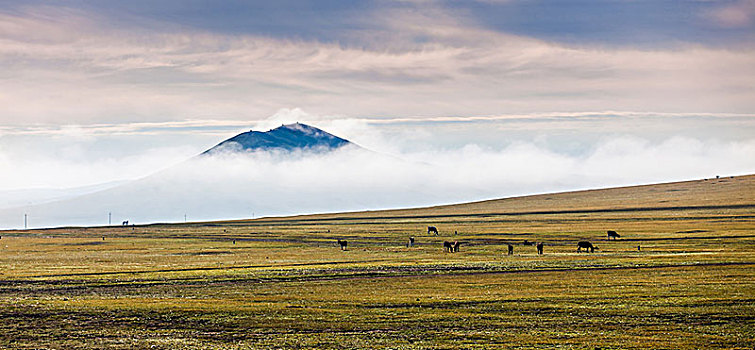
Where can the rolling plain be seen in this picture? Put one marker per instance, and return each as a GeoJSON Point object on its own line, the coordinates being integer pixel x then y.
{"type": "Point", "coordinates": [681, 276]}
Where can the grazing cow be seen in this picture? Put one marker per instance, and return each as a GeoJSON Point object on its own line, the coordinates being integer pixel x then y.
{"type": "Point", "coordinates": [125, 223]}
{"type": "Point", "coordinates": [587, 245]}
{"type": "Point", "coordinates": [613, 234]}
{"type": "Point", "coordinates": [456, 246]}
{"type": "Point", "coordinates": [432, 229]}
{"type": "Point", "coordinates": [411, 242]}
{"type": "Point", "coordinates": [343, 244]}
{"type": "Point", "coordinates": [448, 247]}
{"type": "Point", "coordinates": [540, 248]}
{"type": "Point", "coordinates": [511, 249]}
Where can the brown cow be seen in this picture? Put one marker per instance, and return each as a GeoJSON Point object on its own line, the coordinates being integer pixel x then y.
{"type": "Point", "coordinates": [587, 245]}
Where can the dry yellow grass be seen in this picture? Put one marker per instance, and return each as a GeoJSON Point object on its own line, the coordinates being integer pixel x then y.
{"type": "Point", "coordinates": [283, 282]}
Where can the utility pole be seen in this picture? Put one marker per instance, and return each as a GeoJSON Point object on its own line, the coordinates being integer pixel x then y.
{"type": "Point", "coordinates": [25, 221]}
{"type": "Point", "coordinates": [184, 218]}
{"type": "Point", "coordinates": [109, 219]}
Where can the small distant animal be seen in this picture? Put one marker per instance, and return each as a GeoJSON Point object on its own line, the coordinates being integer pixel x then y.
{"type": "Point", "coordinates": [456, 246]}
{"type": "Point", "coordinates": [125, 223]}
{"type": "Point", "coordinates": [540, 248]}
{"type": "Point", "coordinates": [448, 247]}
{"type": "Point", "coordinates": [432, 229]}
{"type": "Point", "coordinates": [411, 242]}
{"type": "Point", "coordinates": [587, 245]}
{"type": "Point", "coordinates": [638, 249]}
{"type": "Point", "coordinates": [234, 241]}
{"type": "Point", "coordinates": [526, 242]}
{"type": "Point", "coordinates": [511, 249]}
{"type": "Point", "coordinates": [103, 238]}
{"type": "Point", "coordinates": [455, 233]}
{"type": "Point", "coordinates": [343, 244]}
{"type": "Point", "coordinates": [613, 234]}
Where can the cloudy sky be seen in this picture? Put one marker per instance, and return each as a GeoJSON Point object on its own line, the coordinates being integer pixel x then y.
{"type": "Point", "coordinates": [96, 92]}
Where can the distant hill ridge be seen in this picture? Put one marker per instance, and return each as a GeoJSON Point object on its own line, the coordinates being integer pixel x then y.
{"type": "Point", "coordinates": [724, 193]}
{"type": "Point", "coordinates": [289, 137]}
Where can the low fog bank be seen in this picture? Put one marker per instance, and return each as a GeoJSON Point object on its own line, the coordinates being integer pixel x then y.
{"type": "Point", "coordinates": [236, 186]}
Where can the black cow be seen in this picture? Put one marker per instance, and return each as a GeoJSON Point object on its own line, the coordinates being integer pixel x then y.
{"type": "Point", "coordinates": [456, 246]}
{"type": "Point", "coordinates": [511, 249]}
{"type": "Point", "coordinates": [448, 247]}
{"type": "Point", "coordinates": [343, 244]}
{"type": "Point", "coordinates": [587, 245]}
{"type": "Point", "coordinates": [540, 248]}
{"type": "Point", "coordinates": [613, 234]}
{"type": "Point", "coordinates": [125, 223]}
{"type": "Point", "coordinates": [411, 242]}
{"type": "Point", "coordinates": [432, 229]}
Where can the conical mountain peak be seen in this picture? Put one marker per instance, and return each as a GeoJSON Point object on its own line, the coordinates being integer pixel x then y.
{"type": "Point", "coordinates": [288, 137]}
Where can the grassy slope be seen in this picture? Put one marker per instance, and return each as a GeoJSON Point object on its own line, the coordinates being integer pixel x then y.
{"type": "Point", "coordinates": [283, 283]}
{"type": "Point", "coordinates": [728, 191]}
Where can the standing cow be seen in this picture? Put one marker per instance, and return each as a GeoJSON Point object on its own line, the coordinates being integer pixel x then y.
{"type": "Point", "coordinates": [343, 244]}
{"type": "Point", "coordinates": [511, 249]}
{"type": "Point", "coordinates": [587, 245]}
{"type": "Point", "coordinates": [540, 248]}
{"type": "Point", "coordinates": [613, 234]}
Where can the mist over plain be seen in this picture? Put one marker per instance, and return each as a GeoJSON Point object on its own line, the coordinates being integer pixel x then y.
{"type": "Point", "coordinates": [387, 173]}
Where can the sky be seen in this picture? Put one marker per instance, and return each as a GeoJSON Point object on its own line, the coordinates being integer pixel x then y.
{"type": "Point", "coordinates": [95, 94]}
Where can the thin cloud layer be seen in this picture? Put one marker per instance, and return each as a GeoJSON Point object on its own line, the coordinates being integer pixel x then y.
{"type": "Point", "coordinates": [232, 185]}
{"type": "Point", "coordinates": [71, 66]}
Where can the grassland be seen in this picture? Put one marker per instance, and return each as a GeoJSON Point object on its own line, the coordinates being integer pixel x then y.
{"type": "Point", "coordinates": [284, 283]}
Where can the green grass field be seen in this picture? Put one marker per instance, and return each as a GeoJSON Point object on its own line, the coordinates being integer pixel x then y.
{"type": "Point", "coordinates": [284, 282]}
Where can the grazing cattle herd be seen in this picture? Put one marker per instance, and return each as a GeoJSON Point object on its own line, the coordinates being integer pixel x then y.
{"type": "Point", "coordinates": [453, 247]}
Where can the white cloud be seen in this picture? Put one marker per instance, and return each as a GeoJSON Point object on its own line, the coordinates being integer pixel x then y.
{"type": "Point", "coordinates": [738, 14]}
{"type": "Point", "coordinates": [233, 186]}
{"type": "Point", "coordinates": [425, 63]}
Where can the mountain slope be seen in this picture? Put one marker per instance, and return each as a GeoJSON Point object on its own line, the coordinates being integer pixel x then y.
{"type": "Point", "coordinates": [288, 137]}
{"type": "Point", "coordinates": [723, 193]}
